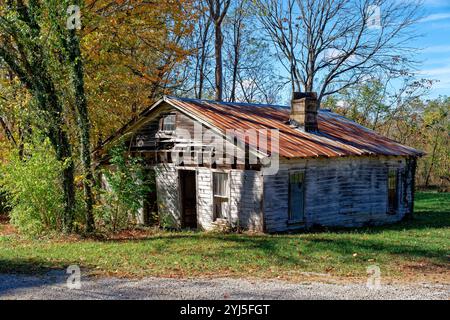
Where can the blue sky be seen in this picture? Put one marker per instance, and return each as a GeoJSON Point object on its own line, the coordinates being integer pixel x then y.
{"type": "Point", "coordinates": [435, 44]}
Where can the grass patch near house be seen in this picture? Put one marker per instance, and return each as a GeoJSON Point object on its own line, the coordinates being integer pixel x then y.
{"type": "Point", "coordinates": [417, 249]}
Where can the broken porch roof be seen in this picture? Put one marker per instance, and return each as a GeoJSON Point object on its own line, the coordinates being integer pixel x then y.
{"type": "Point", "coordinates": [337, 135]}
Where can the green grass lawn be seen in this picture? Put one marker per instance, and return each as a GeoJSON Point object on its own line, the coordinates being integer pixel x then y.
{"type": "Point", "coordinates": [408, 249]}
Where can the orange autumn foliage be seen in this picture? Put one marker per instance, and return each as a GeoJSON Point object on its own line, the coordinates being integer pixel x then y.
{"type": "Point", "coordinates": [132, 50]}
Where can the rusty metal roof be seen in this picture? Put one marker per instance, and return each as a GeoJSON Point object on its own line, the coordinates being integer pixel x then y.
{"type": "Point", "coordinates": [337, 136]}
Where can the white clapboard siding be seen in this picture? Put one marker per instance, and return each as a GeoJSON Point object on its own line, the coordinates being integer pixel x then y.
{"type": "Point", "coordinates": [204, 199]}
{"type": "Point", "coordinates": [168, 194]}
{"type": "Point", "coordinates": [346, 192]}
{"type": "Point", "coordinates": [246, 199]}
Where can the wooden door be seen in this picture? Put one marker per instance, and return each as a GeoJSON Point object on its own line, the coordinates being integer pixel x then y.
{"type": "Point", "coordinates": [297, 196]}
{"type": "Point", "coordinates": [188, 199]}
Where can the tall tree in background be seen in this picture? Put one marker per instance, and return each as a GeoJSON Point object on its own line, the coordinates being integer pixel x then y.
{"type": "Point", "coordinates": [203, 34]}
{"type": "Point", "coordinates": [217, 12]}
{"type": "Point", "coordinates": [329, 45]}
{"type": "Point", "coordinates": [237, 26]}
{"type": "Point", "coordinates": [436, 120]}
{"type": "Point", "coordinates": [249, 70]}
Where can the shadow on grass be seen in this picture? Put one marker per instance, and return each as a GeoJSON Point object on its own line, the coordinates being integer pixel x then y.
{"type": "Point", "coordinates": [343, 247]}
{"type": "Point", "coordinates": [36, 267]}
{"type": "Point", "coordinates": [420, 221]}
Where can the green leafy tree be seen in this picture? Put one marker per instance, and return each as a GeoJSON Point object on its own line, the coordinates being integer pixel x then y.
{"type": "Point", "coordinates": [436, 121]}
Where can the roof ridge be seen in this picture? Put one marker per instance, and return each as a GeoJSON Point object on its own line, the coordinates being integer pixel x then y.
{"type": "Point", "coordinates": [276, 106]}
{"type": "Point", "coordinates": [227, 102]}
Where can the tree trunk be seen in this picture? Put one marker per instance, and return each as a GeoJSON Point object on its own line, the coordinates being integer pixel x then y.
{"type": "Point", "coordinates": [218, 54]}
{"type": "Point", "coordinates": [201, 80]}
{"type": "Point", "coordinates": [61, 144]}
{"type": "Point", "coordinates": [237, 46]}
{"type": "Point", "coordinates": [68, 184]}
{"type": "Point", "coordinates": [83, 124]}
{"type": "Point", "coordinates": [8, 132]}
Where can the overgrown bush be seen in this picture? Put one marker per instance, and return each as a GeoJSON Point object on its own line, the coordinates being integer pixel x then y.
{"type": "Point", "coordinates": [125, 188]}
{"type": "Point", "coordinates": [33, 188]}
{"type": "Point", "coordinates": [3, 204]}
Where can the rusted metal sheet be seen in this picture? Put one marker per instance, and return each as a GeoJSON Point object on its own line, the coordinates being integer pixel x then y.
{"type": "Point", "coordinates": [337, 136]}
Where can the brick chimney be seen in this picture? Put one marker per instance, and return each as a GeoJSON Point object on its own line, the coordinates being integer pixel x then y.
{"type": "Point", "coordinates": [304, 111]}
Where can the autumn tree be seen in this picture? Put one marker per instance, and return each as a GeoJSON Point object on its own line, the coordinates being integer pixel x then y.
{"type": "Point", "coordinates": [70, 42]}
{"type": "Point", "coordinates": [132, 51]}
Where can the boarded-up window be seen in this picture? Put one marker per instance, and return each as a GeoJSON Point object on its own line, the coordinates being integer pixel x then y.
{"type": "Point", "coordinates": [168, 122]}
{"type": "Point", "coordinates": [220, 193]}
{"type": "Point", "coordinates": [297, 196]}
{"type": "Point", "coordinates": [392, 190]}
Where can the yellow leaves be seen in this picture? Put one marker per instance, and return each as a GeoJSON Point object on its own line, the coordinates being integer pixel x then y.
{"type": "Point", "coordinates": [78, 179]}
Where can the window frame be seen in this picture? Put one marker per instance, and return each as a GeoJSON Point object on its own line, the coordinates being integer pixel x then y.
{"type": "Point", "coordinates": [220, 198]}
{"type": "Point", "coordinates": [163, 120]}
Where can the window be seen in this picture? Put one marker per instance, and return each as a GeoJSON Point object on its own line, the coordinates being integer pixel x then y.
{"type": "Point", "coordinates": [220, 194]}
{"type": "Point", "coordinates": [168, 122]}
{"type": "Point", "coordinates": [392, 190]}
{"type": "Point", "coordinates": [296, 196]}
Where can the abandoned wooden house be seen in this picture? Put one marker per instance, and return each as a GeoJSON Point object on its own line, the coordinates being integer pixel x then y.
{"type": "Point", "coordinates": [326, 170]}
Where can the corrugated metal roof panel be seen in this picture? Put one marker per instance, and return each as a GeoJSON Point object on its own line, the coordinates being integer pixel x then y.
{"type": "Point", "coordinates": [337, 136]}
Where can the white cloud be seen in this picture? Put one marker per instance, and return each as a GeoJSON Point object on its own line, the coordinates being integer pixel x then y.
{"type": "Point", "coordinates": [435, 3]}
{"type": "Point", "coordinates": [436, 17]}
{"type": "Point", "coordinates": [438, 61]}
{"type": "Point", "coordinates": [441, 74]}
{"type": "Point", "coordinates": [436, 71]}
{"type": "Point", "coordinates": [437, 49]}
{"type": "Point", "coordinates": [441, 26]}
{"type": "Point", "coordinates": [342, 104]}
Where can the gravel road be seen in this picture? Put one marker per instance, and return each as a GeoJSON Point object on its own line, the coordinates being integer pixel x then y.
{"type": "Point", "coordinates": [53, 286]}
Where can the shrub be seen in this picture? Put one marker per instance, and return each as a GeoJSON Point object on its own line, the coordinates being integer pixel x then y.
{"type": "Point", "coordinates": [3, 204]}
{"type": "Point", "coordinates": [33, 188]}
{"type": "Point", "coordinates": [125, 188]}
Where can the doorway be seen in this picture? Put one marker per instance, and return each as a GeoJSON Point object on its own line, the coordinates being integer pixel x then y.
{"type": "Point", "coordinates": [188, 189]}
